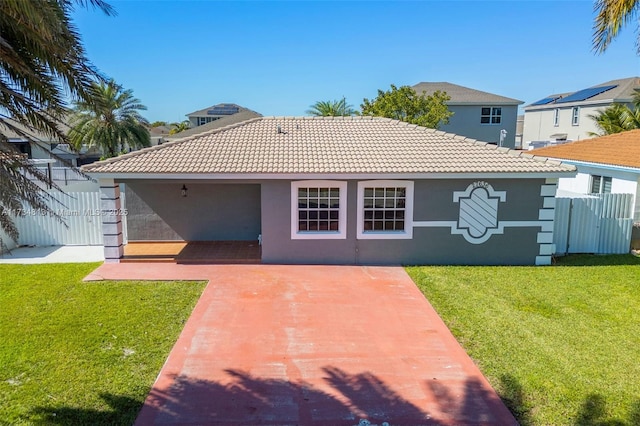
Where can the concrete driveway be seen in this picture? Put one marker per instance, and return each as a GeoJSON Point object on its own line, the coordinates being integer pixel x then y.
{"type": "Point", "coordinates": [312, 345]}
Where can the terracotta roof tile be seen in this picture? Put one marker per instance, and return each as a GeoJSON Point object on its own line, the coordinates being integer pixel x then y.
{"type": "Point", "coordinates": [619, 149]}
{"type": "Point", "coordinates": [324, 145]}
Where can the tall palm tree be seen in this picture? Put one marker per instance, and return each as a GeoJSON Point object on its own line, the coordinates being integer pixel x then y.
{"type": "Point", "coordinates": [110, 121]}
{"type": "Point", "coordinates": [615, 119]}
{"type": "Point", "coordinates": [331, 108]}
{"type": "Point", "coordinates": [180, 127]}
{"type": "Point", "coordinates": [611, 16]}
{"type": "Point", "coordinates": [42, 63]}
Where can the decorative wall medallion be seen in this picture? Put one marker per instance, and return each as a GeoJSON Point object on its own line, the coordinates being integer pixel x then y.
{"type": "Point", "coordinates": [478, 214]}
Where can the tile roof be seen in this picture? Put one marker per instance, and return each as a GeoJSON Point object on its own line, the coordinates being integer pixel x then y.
{"type": "Point", "coordinates": [461, 95]}
{"type": "Point", "coordinates": [243, 115]}
{"type": "Point", "coordinates": [619, 149]}
{"type": "Point", "coordinates": [326, 145]}
{"type": "Point", "coordinates": [623, 92]}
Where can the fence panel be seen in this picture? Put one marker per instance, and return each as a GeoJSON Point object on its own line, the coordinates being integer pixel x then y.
{"type": "Point", "coordinates": [561, 225]}
{"type": "Point", "coordinates": [597, 223]}
{"type": "Point", "coordinates": [81, 214]}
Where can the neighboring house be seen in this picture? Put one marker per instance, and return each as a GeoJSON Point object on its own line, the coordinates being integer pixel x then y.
{"type": "Point", "coordinates": [159, 134]}
{"type": "Point", "coordinates": [213, 113]}
{"type": "Point", "coordinates": [39, 146]}
{"type": "Point", "coordinates": [519, 130]}
{"type": "Point", "coordinates": [607, 164]}
{"type": "Point", "coordinates": [565, 117]}
{"type": "Point", "coordinates": [242, 114]}
{"type": "Point", "coordinates": [476, 114]}
{"type": "Point", "coordinates": [339, 190]}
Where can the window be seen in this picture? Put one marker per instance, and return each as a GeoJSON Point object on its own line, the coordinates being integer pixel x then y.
{"type": "Point", "coordinates": [600, 184]}
{"type": "Point", "coordinates": [575, 116]}
{"type": "Point", "coordinates": [318, 209]}
{"type": "Point", "coordinates": [385, 209]}
{"type": "Point", "coordinates": [491, 115]}
{"type": "Point", "coordinates": [556, 117]}
{"type": "Point", "coordinates": [205, 120]}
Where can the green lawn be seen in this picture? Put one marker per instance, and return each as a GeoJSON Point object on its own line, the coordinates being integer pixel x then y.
{"type": "Point", "coordinates": [83, 353]}
{"type": "Point", "coordinates": [561, 344]}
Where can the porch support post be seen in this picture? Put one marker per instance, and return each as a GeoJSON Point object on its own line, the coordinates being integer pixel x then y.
{"type": "Point", "coordinates": [111, 213]}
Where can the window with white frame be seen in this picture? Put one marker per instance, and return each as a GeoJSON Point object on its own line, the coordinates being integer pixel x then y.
{"type": "Point", "coordinates": [556, 117]}
{"type": "Point", "coordinates": [600, 184]}
{"type": "Point", "coordinates": [575, 116]}
{"type": "Point", "coordinates": [385, 209]}
{"type": "Point", "coordinates": [491, 115]}
{"type": "Point", "coordinates": [206, 120]}
{"type": "Point", "coordinates": [318, 209]}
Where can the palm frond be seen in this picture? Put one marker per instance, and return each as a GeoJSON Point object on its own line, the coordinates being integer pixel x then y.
{"type": "Point", "coordinates": [611, 17]}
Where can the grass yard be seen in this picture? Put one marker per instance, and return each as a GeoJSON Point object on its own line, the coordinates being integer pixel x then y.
{"type": "Point", "coordinates": [83, 353]}
{"type": "Point", "coordinates": [561, 344]}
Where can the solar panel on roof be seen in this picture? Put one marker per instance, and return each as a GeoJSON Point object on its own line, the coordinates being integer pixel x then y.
{"type": "Point", "coordinates": [223, 110]}
{"type": "Point", "coordinates": [546, 101]}
{"type": "Point", "coordinates": [583, 94]}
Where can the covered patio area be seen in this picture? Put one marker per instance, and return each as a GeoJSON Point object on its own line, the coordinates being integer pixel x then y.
{"type": "Point", "coordinates": [194, 252]}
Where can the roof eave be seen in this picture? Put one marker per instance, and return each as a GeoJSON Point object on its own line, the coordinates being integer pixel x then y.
{"type": "Point", "coordinates": [599, 165]}
{"type": "Point", "coordinates": [485, 103]}
{"type": "Point", "coordinates": [347, 176]}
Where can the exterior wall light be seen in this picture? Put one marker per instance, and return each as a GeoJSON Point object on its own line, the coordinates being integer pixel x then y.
{"type": "Point", "coordinates": [184, 190]}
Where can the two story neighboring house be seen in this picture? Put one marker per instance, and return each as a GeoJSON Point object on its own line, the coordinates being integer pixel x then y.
{"type": "Point", "coordinates": [564, 117]}
{"type": "Point", "coordinates": [240, 115]}
{"type": "Point", "coordinates": [213, 113]}
{"type": "Point", "coordinates": [476, 114]}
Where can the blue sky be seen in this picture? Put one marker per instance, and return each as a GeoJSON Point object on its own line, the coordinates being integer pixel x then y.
{"type": "Point", "coordinates": [278, 57]}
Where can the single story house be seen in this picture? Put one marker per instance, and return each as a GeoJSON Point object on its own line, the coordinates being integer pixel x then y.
{"type": "Point", "coordinates": [606, 164]}
{"type": "Point", "coordinates": [341, 190]}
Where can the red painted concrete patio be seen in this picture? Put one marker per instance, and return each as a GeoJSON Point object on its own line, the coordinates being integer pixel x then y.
{"type": "Point", "coordinates": [312, 345]}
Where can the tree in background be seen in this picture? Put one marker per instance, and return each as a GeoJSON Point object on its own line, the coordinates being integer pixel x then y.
{"type": "Point", "coordinates": [110, 120]}
{"type": "Point", "coordinates": [179, 127]}
{"type": "Point", "coordinates": [611, 16]}
{"type": "Point", "coordinates": [331, 109]}
{"type": "Point", "coordinates": [158, 124]}
{"type": "Point", "coordinates": [618, 117]}
{"type": "Point", "coordinates": [42, 63]}
{"type": "Point", "coordinates": [405, 104]}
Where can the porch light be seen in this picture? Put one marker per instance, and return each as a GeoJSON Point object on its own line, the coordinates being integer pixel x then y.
{"type": "Point", "coordinates": [184, 190]}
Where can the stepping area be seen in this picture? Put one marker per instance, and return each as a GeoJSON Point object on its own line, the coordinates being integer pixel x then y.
{"type": "Point", "coordinates": [311, 345]}
{"type": "Point", "coordinates": [193, 252]}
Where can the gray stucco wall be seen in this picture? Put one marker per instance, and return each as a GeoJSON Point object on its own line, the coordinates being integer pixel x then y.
{"type": "Point", "coordinates": [211, 211]}
{"type": "Point", "coordinates": [466, 122]}
{"type": "Point", "coordinates": [433, 201]}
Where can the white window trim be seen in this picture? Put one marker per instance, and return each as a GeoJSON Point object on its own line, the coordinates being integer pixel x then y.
{"type": "Point", "coordinates": [556, 117]}
{"type": "Point", "coordinates": [341, 234]}
{"type": "Point", "coordinates": [407, 234]}
{"type": "Point", "coordinates": [575, 116]}
{"type": "Point", "coordinates": [491, 116]}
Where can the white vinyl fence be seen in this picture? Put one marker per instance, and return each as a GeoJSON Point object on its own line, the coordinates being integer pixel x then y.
{"type": "Point", "coordinates": [596, 223]}
{"type": "Point", "coordinates": [82, 223]}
